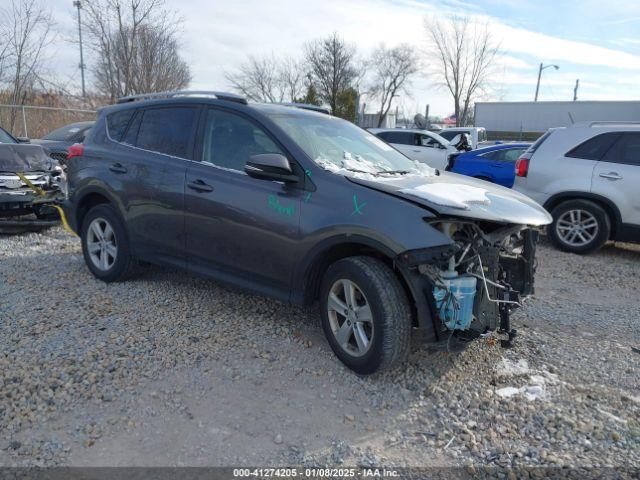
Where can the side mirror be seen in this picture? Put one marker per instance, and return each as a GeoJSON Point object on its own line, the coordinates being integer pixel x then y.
{"type": "Point", "coordinates": [270, 166]}
{"type": "Point", "coordinates": [23, 139]}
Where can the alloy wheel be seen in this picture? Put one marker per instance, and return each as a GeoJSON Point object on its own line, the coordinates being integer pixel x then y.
{"type": "Point", "coordinates": [350, 317]}
{"type": "Point", "coordinates": [101, 244]}
{"type": "Point", "coordinates": [577, 227]}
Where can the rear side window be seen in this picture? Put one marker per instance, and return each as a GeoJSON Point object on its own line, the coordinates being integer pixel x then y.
{"type": "Point", "coordinates": [167, 130]}
{"type": "Point", "coordinates": [627, 150]}
{"type": "Point", "coordinates": [594, 148]}
{"type": "Point", "coordinates": [117, 123]}
{"type": "Point", "coordinates": [403, 138]}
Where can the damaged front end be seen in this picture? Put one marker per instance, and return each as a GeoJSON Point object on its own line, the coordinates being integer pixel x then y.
{"type": "Point", "coordinates": [31, 183]}
{"type": "Point", "coordinates": [473, 285]}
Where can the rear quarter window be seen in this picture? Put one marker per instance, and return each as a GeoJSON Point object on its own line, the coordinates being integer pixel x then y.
{"type": "Point", "coordinates": [117, 123]}
{"type": "Point", "coordinates": [594, 148]}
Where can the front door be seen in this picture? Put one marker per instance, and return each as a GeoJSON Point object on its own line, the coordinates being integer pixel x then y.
{"type": "Point", "coordinates": [239, 228]}
{"type": "Point", "coordinates": [617, 177]}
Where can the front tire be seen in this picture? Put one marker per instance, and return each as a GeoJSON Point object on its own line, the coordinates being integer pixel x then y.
{"type": "Point", "coordinates": [579, 226]}
{"type": "Point", "coordinates": [105, 245]}
{"type": "Point", "coordinates": [365, 314]}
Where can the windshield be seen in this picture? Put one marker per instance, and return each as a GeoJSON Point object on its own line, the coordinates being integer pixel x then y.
{"type": "Point", "coordinates": [336, 144]}
{"type": "Point", "coordinates": [67, 133]}
{"type": "Point", "coordinates": [5, 137]}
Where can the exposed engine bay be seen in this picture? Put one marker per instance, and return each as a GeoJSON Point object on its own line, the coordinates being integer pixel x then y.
{"type": "Point", "coordinates": [489, 274]}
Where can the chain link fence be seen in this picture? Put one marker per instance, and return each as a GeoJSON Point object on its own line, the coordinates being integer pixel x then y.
{"type": "Point", "coordinates": [36, 121]}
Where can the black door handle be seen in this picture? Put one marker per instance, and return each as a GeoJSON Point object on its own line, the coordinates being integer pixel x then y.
{"type": "Point", "coordinates": [117, 168]}
{"type": "Point", "coordinates": [200, 186]}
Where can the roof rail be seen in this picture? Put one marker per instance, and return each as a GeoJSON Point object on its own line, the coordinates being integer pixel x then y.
{"type": "Point", "coordinates": [607, 123]}
{"type": "Point", "coordinates": [307, 106]}
{"type": "Point", "coordinates": [232, 97]}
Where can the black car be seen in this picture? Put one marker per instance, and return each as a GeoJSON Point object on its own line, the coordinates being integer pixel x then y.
{"type": "Point", "coordinates": [57, 142]}
{"type": "Point", "coordinates": [304, 207]}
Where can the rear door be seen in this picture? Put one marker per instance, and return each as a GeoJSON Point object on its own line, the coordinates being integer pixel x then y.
{"type": "Point", "coordinates": [617, 176]}
{"type": "Point", "coordinates": [240, 229]}
{"type": "Point", "coordinates": [159, 144]}
{"type": "Point", "coordinates": [406, 142]}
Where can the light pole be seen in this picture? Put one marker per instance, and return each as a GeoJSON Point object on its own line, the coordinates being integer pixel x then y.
{"type": "Point", "coordinates": [542, 67]}
{"type": "Point", "coordinates": [78, 5]}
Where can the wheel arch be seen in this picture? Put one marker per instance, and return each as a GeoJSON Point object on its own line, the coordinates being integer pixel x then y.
{"type": "Point", "coordinates": [89, 199]}
{"type": "Point", "coordinates": [330, 251]}
{"type": "Point", "coordinates": [609, 207]}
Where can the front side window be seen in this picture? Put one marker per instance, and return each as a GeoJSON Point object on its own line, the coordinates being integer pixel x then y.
{"type": "Point", "coordinates": [594, 148]}
{"type": "Point", "coordinates": [167, 130]}
{"type": "Point", "coordinates": [427, 141]}
{"type": "Point", "coordinates": [626, 150]}
{"type": "Point", "coordinates": [336, 144]}
{"type": "Point", "coordinates": [229, 140]}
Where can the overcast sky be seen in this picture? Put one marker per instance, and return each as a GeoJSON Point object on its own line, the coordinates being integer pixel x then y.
{"type": "Point", "coordinates": [595, 41]}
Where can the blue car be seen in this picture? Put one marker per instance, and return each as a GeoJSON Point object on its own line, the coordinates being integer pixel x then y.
{"type": "Point", "coordinates": [494, 164]}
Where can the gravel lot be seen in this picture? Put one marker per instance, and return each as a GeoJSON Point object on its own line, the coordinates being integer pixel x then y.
{"type": "Point", "coordinates": [169, 369]}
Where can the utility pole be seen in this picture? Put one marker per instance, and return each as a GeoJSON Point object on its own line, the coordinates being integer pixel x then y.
{"type": "Point", "coordinates": [575, 90]}
{"type": "Point", "coordinates": [78, 5]}
{"type": "Point", "coordinates": [542, 67]}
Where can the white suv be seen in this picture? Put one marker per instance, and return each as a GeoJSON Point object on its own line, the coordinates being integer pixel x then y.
{"type": "Point", "coordinates": [587, 175]}
{"type": "Point", "coordinates": [419, 145]}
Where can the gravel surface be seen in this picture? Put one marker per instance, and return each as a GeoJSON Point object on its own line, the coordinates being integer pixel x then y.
{"type": "Point", "coordinates": [169, 369]}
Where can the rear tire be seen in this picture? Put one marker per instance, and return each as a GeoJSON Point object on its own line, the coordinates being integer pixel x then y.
{"type": "Point", "coordinates": [579, 226]}
{"type": "Point", "coordinates": [377, 316]}
{"type": "Point", "coordinates": [105, 245]}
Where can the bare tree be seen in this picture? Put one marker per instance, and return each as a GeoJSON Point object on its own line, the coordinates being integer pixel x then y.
{"type": "Point", "coordinates": [392, 70]}
{"type": "Point", "coordinates": [465, 55]}
{"type": "Point", "coordinates": [25, 31]}
{"type": "Point", "coordinates": [269, 79]}
{"type": "Point", "coordinates": [332, 66]}
{"type": "Point", "coordinates": [136, 47]}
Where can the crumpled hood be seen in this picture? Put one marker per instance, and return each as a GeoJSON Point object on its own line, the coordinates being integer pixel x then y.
{"type": "Point", "coordinates": [24, 158]}
{"type": "Point", "coordinates": [461, 196]}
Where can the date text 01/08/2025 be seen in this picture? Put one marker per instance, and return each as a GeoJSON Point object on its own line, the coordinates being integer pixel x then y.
{"type": "Point", "coordinates": [315, 473]}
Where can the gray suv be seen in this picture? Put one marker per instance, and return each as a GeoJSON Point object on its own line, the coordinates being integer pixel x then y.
{"type": "Point", "coordinates": [306, 208]}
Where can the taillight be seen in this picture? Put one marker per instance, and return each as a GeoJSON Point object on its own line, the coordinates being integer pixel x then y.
{"type": "Point", "coordinates": [522, 167]}
{"type": "Point", "coordinates": [75, 150]}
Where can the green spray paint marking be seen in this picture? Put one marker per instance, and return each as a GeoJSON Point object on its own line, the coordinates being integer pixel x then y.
{"type": "Point", "coordinates": [307, 198]}
{"type": "Point", "coordinates": [357, 208]}
{"type": "Point", "coordinates": [275, 204]}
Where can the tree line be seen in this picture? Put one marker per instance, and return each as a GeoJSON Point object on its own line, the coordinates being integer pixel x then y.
{"type": "Point", "coordinates": [134, 47]}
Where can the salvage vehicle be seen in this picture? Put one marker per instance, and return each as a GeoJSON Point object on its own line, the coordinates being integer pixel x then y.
{"type": "Point", "coordinates": [57, 142]}
{"type": "Point", "coordinates": [30, 182]}
{"type": "Point", "coordinates": [306, 208]}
